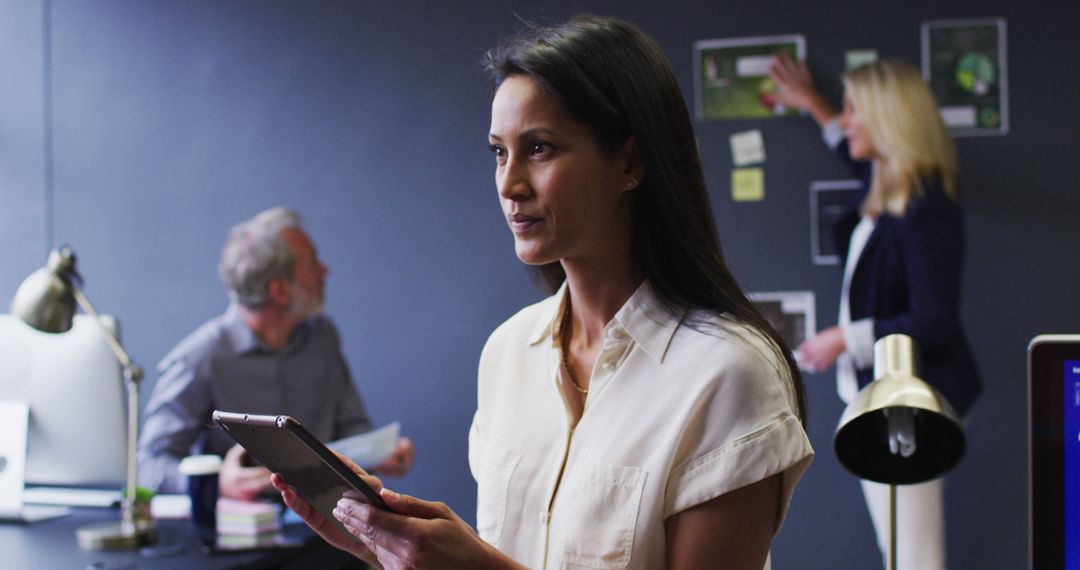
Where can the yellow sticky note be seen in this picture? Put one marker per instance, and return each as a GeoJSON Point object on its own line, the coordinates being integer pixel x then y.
{"type": "Point", "coordinates": [747, 184]}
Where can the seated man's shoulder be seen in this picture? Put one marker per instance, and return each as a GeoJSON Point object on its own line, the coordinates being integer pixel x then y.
{"type": "Point", "coordinates": [209, 338]}
{"type": "Point", "coordinates": [322, 325]}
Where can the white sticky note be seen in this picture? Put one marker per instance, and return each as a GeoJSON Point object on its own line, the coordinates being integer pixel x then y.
{"type": "Point", "coordinates": [747, 147]}
{"type": "Point", "coordinates": [753, 65]}
{"type": "Point", "coordinates": [859, 57]}
{"type": "Point", "coordinates": [961, 116]}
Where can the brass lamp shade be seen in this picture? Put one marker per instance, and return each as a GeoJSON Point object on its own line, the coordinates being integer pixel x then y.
{"type": "Point", "coordinates": [45, 300]}
{"type": "Point", "coordinates": [898, 410]}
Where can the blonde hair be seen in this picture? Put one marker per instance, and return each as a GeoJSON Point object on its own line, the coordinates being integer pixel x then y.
{"type": "Point", "coordinates": [902, 121]}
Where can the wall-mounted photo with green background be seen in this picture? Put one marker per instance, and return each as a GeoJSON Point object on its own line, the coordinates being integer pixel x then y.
{"type": "Point", "coordinates": [732, 76]}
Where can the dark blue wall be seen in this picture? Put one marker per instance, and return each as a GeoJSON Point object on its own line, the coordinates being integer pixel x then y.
{"type": "Point", "coordinates": [140, 131]}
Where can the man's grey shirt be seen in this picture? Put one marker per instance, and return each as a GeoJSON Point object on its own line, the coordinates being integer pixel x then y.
{"type": "Point", "coordinates": [224, 366]}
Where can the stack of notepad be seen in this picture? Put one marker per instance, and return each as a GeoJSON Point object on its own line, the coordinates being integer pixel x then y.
{"type": "Point", "coordinates": [246, 523]}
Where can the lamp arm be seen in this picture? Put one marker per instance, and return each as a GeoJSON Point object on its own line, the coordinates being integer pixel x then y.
{"type": "Point", "coordinates": [133, 373]}
{"type": "Point", "coordinates": [130, 368]}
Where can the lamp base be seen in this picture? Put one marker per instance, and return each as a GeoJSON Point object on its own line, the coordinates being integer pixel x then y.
{"type": "Point", "coordinates": [112, 536]}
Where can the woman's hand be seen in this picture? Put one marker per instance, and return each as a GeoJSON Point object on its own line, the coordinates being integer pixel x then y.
{"type": "Point", "coordinates": [797, 88]}
{"type": "Point", "coordinates": [821, 351]}
{"type": "Point", "coordinates": [418, 534]}
{"type": "Point", "coordinates": [330, 532]}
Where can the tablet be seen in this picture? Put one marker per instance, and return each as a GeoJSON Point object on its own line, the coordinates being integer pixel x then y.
{"type": "Point", "coordinates": [284, 446]}
{"type": "Point", "coordinates": [1054, 462]}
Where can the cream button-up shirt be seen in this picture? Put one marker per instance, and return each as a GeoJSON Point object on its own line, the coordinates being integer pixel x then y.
{"type": "Point", "coordinates": [676, 415]}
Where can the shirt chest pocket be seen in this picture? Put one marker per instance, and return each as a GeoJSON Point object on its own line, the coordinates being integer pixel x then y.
{"type": "Point", "coordinates": [596, 516]}
{"type": "Point", "coordinates": [496, 467]}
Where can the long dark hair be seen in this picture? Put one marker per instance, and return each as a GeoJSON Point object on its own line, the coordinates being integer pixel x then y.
{"type": "Point", "coordinates": [612, 77]}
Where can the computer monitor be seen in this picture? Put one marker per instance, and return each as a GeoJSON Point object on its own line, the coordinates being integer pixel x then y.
{"type": "Point", "coordinates": [1054, 462]}
{"type": "Point", "coordinates": [74, 386]}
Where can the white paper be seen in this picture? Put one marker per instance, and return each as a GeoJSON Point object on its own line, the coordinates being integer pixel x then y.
{"type": "Point", "coordinates": [371, 448]}
{"type": "Point", "coordinates": [170, 506]}
{"type": "Point", "coordinates": [747, 148]}
{"type": "Point", "coordinates": [753, 65]}
{"type": "Point", "coordinates": [958, 116]}
{"type": "Point", "coordinates": [858, 57]}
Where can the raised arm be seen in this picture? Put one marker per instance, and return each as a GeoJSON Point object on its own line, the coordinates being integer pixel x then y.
{"type": "Point", "coordinates": [797, 89]}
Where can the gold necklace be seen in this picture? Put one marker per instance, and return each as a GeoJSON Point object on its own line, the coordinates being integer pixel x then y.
{"type": "Point", "coordinates": [565, 344]}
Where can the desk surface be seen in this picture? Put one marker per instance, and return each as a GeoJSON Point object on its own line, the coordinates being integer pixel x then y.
{"type": "Point", "coordinates": [52, 544]}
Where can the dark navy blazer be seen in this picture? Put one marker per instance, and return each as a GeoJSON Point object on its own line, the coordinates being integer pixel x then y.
{"type": "Point", "coordinates": [908, 280]}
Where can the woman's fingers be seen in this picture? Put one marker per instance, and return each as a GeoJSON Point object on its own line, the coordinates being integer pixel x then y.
{"type": "Point", "coordinates": [780, 67]}
{"type": "Point", "coordinates": [372, 481]}
{"type": "Point", "coordinates": [322, 526]}
{"type": "Point", "coordinates": [398, 533]}
{"type": "Point", "coordinates": [382, 532]}
{"type": "Point", "coordinates": [413, 507]}
{"type": "Point", "coordinates": [418, 534]}
{"type": "Point", "coordinates": [278, 482]}
{"type": "Point", "coordinates": [821, 350]}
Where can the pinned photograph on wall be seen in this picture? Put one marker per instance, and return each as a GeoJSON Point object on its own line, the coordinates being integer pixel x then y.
{"type": "Point", "coordinates": [964, 62]}
{"type": "Point", "coordinates": [747, 184]}
{"type": "Point", "coordinates": [859, 57]}
{"type": "Point", "coordinates": [791, 313]}
{"type": "Point", "coordinates": [732, 76]}
{"type": "Point", "coordinates": [747, 148]}
{"type": "Point", "coordinates": [829, 201]}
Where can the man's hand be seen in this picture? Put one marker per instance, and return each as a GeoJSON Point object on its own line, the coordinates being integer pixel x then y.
{"type": "Point", "coordinates": [399, 462]}
{"type": "Point", "coordinates": [239, 482]}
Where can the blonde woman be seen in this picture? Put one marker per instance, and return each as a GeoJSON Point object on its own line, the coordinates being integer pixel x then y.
{"type": "Point", "coordinates": [902, 244]}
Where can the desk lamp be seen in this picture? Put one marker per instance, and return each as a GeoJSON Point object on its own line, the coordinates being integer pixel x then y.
{"type": "Point", "coordinates": [46, 301]}
{"type": "Point", "coordinates": [899, 430]}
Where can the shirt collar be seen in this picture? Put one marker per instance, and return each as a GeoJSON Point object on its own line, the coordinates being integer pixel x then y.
{"type": "Point", "coordinates": [244, 340]}
{"type": "Point", "coordinates": [643, 318]}
{"type": "Point", "coordinates": [241, 337]}
{"type": "Point", "coordinates": [550, 321]}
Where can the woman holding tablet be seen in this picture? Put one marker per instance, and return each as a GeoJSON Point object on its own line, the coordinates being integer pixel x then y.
{"type": "Point", "coordinates": [645, 415]}
{"type": "Point", "coordinates": [903, 245]}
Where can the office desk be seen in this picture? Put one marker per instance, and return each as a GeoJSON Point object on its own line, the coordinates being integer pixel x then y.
{"type": "Point", "coordinates": [52, 544]}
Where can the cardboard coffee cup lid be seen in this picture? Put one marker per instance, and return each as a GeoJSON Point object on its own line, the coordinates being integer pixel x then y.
{"type": "Point", "coordinates": [200, 465]}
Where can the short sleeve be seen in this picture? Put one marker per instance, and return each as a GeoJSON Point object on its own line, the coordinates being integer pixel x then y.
{"type": "Point", "coordinates": [779, 447]}
{"type": "Point", "coordinates": [745, 430]}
